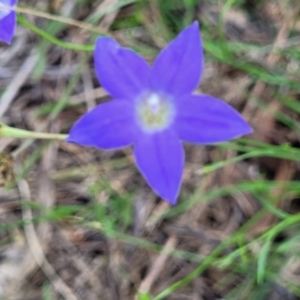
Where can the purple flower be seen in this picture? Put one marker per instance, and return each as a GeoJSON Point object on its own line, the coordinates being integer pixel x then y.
{"type": "Point", "coordinates": [7, 20]}
{"type": "Point", "coordinates": [154, 109]}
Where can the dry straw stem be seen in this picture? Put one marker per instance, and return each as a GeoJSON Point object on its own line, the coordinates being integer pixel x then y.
{"type": "Point", "coordinates": [272, 59]}
{"type": "Point", "coordinates": [36, 248]}
{"type": "Point", "coordinates": [285, 171]}
{"type": "Point", "coordinates": [158, 265]}
{"type": "Point", "coordinates": [61, 19]}
{"type": "Point", "coordinates": [17, 82]}
{"type": "Point", "coordinates": [39, 239]}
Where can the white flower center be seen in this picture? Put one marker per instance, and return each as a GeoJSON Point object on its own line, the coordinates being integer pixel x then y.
{"type": "Point", "coordinates": [154, 112]}
{"type": "Point", "coordinates": [4, 11]}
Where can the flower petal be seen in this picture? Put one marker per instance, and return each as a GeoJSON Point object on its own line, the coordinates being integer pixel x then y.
{"type": "Point", "coordinates": [178, 68]}
{"type": "Point", "coordinates": [8, 26]}
{"type": "Point", "coordinates": [122, 72]}
{"type": "Point", "coordinates": [160, 158]}
{"type": "Point", "coordinates": [204, 119]}
{"type": "Point", "coordinates": [109, 126]}
{"type": "Point", "coordinates": [9, 2]}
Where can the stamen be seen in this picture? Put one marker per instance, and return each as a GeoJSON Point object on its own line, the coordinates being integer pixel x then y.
{"type": "Point", "coordinates": [154, 103]}
{"type": "Point", "coordinates": [154, 112]}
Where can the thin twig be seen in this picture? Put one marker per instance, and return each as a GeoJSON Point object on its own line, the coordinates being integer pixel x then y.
{"type": "Point", "coordinates": [15, 85]}
{"type": "Point", "coordinates": [158, 265]}
{"type": "Point", "coordinates": [37, 250]}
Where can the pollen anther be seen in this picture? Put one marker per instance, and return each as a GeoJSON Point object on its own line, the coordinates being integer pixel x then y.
{"type": "Point", "coordinates": [154, 112]}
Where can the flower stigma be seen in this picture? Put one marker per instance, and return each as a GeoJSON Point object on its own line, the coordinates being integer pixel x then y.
{"type": "Point", "coordinates": [154, 112]}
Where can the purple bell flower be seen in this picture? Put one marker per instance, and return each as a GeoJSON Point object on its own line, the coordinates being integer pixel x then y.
{"type": "Point", "coordinates": [154, 109]}
{"type": "Point", "coordinates": [7, 21]}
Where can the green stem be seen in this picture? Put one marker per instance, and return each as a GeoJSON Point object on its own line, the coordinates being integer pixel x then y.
{"type": "Point", "coordinates": [213, 256]}
{"type": "Point", "coordinates": [52, 39]}
{"type": "Point", "coordinates": [191, 276]}
{"type": "Point", "coordinates": [6, 131]}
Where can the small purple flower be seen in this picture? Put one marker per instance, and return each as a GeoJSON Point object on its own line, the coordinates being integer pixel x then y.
{"type": "Point", "coordinates": [7, 20]}
{"type": "Point", "coordinates": [154, 109]}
